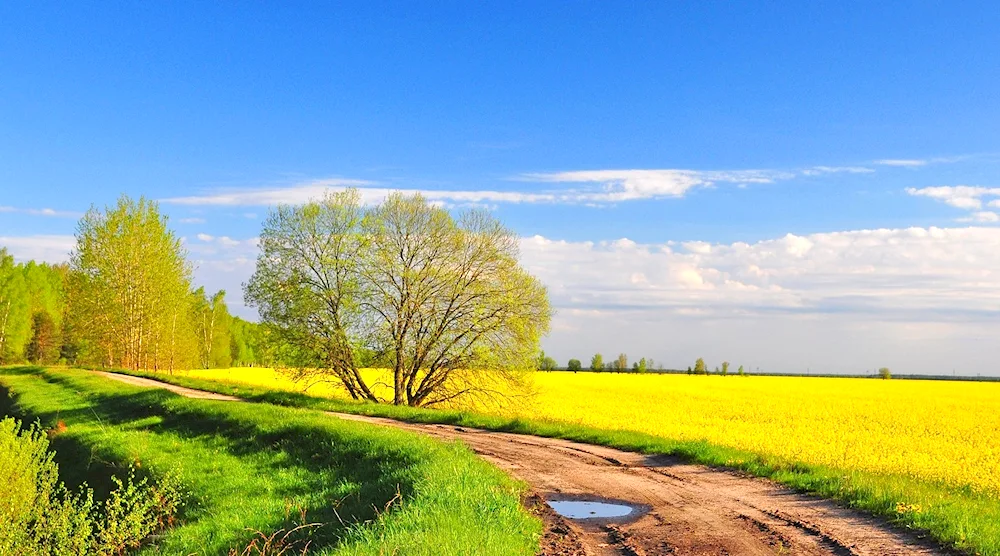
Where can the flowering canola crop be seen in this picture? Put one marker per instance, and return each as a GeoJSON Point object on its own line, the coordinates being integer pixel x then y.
{"type": "Point", "coordinates": [941, 431]}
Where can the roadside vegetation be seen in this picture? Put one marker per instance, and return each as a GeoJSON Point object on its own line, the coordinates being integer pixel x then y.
{"type": "Point", "coordinates": [251, 471]}
{"type": "Point", "coordinates": [41, 516]}
{"type": "Point", "coordinates": [920, 453]}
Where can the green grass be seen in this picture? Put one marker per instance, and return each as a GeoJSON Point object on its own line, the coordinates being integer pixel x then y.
{"type": "Point", "coordinates": [252, 467]}
{"type": "Point", "coordinates": [962, 519]}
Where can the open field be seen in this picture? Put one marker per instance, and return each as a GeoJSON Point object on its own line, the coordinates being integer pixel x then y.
{"type": "Point", "coordinates": [267, 468]}
{"type": "Point", "coordinates": [937, 431]}
{"type": "Point", "coordinates": [924, 453]}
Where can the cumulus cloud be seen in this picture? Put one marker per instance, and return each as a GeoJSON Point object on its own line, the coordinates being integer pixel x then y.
{"type": "Point", "coordinates": [916, 298]}
{"type": "Point", "coordinates": [901, 273]}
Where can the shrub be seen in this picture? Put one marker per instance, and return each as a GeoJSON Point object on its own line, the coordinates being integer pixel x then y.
{"type": "Point", "coordinates": [38, 515]}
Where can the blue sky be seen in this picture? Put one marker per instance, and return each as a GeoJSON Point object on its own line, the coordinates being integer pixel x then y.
{"type": "Point", "coordinates": [797, 186]}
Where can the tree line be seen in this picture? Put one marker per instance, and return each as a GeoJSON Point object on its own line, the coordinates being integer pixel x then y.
{"type": "Point", "coordinates": [124, 300]}
{"type": "Point", "coordinates": [439, 300]}
{"type": "Point", "coordinates": [620, 365]}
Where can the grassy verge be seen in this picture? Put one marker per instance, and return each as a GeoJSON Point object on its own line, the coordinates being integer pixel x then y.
{"type": "Point", "coordinates": [963, 519]}
{"type": "Point", "coordinates": [250, 468]}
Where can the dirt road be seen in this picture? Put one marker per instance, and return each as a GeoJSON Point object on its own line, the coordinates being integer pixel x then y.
{"type": "Point", "coordinates": [680, 508]}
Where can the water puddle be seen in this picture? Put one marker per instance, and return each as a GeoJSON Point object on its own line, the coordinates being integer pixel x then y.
{"type": "Point", "coordinates": [579, 509]}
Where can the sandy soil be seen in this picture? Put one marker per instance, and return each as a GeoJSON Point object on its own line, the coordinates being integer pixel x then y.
{"type": "Point", "coordinates": [684, 509]}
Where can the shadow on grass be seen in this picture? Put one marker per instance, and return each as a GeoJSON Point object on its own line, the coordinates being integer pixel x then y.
{"type": "Point", "coordinates": [373, 472]}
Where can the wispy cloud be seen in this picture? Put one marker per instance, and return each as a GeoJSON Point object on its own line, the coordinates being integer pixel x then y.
{"type": "Point", "coordinates": [370, 194]}
{"type": "Point", "coordinates": [42, 212]}
{"type": "Point", "coordinates": [192, 220]}
{"type": "Point", "coordinates": [904, 162]}
{"type": "Point", "coordinates": [918, 162]}
{"type": "Point", "coordinates": [591, 187]}
{"type": "Point", "coordinates": [625, 185]}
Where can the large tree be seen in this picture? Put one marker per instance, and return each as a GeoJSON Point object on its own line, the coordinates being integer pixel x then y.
{"type": "Point", "coordinates": [130, 285]}
{"type": "Point", "coordinates": [441, 302]}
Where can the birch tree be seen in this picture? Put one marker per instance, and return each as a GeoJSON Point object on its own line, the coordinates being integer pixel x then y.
{"type": "Point", "coordinates": [212, 323]}
{"type": "Point", "coordinates": [130, 284]}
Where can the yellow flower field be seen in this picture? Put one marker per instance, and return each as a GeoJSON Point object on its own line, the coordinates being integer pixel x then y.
{"type": "Point", "coordinates": [940, 431]}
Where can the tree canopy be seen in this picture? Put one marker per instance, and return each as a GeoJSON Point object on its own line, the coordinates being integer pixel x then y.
{"type": "Point", "coordinates": [442, 302]}
{"type": "Point", "coordinates": [129, 289]}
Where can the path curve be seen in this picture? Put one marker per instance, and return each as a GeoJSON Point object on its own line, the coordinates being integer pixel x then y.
{"type": "Point", "coordinates": [692, 509]}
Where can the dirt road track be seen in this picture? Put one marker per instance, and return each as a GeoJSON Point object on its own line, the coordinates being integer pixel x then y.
{"type": "Point", "coordinates": [692, 509]}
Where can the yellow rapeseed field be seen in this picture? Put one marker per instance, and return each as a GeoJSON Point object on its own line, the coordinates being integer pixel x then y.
{"type": "Point", "coordinates": [939, 431]}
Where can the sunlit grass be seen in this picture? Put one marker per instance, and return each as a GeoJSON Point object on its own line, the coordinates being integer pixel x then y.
{"type": "Point", "coordinates": [257, 467]}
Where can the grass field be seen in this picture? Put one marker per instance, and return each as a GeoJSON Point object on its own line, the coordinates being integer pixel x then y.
{"type": "Point", "coordinates": [924, 453]}
{"type": "Point", "coordinates": [260, 467]}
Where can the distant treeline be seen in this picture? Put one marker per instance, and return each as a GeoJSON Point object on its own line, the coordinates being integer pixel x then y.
{"type": "Point", "coordinates": [124, 300]}
{"type": "Point", "coordinates": [662, 371]}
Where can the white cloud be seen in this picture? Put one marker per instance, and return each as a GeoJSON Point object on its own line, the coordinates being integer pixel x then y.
{"type": "Point", "coordinates": [890, 272]}
{"type": "Point", "coordinates": [41, 212]}
{"type": "Point", "coordinates": [205, 237]}
{"type": "Point", "coordinates": [192, 220]}
{"type": "Point", "coordinates": [982, 217]}
{"type": "Point", "coordinates": [599, 187]}
{"type": "Point", "coordinates": [620, 185]}
{"type": "Point", "coordinates": [47, 248]}
{"type": "Point", "coordinates": [625, 185]}
{"type": "Point", "coordinates": [819, 170]}
{"type": "Point", "coordinates": [842, 301]}
{"type": "Point", "coordinates": [905, 162]}
{"type": "Point", "coordinates": [305, 192]}
{"type": "Point", "coordinates": [964, 197]}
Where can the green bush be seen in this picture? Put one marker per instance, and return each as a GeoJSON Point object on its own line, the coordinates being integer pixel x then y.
{"type": "Point", "coordinates": [39, 516]}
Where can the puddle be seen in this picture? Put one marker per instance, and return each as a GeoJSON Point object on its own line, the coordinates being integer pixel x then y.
{"type": "Point", "coordinates": [579, 509]}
